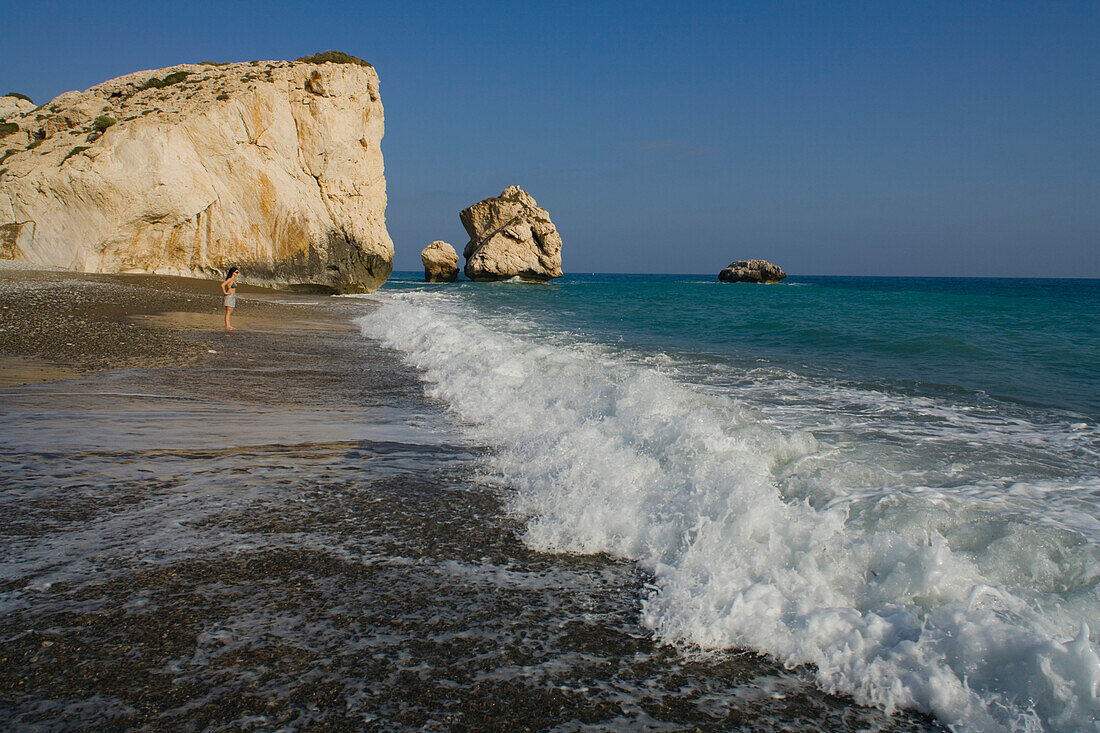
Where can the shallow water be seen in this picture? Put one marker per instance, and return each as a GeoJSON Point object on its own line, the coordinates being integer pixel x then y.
{"type": "Point", "coordinates": [895, 481]}
{"type": "Point", "coordinates": [295, 537]}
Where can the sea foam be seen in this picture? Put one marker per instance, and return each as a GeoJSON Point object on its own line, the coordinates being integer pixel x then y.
{"type": "Point", "coordinates": [898, 598]}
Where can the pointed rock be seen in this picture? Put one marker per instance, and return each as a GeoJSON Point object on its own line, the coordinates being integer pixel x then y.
{"type": "Point", "coordinates": [510, 236]}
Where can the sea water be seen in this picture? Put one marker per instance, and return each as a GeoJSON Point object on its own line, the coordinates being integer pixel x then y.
{"type": "Point", "coordinates": [892, 481]}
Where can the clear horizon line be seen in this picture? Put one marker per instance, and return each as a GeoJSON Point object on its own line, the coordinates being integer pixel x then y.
{"type": "Point", "coordinates": [899, 277]}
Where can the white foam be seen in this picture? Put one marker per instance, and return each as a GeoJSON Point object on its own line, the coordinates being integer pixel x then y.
{"type": "Point", "coordinates": [913, 596]}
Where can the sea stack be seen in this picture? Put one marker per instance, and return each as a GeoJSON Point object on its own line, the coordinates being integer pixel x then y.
{"type": "Point", "coordinates": [273, 166]}
{"type": "Point", "coordinates": [440, 262]}
{"type": "Point", "coordinates": [751, 271]}
{"type": "Point", "coordinates": [511, 237]}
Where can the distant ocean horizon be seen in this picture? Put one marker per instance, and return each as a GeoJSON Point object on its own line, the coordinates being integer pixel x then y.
{"type": "Point", "coordinates": [894, 479]}
{"type": "Point", "coordinates": [1048, 311]}
{"type": "Point", "coordinates": [414, 274]}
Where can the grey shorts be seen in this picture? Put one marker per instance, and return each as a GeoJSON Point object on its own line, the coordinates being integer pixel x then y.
{"type": "Point", "coordinates": [230, 301]}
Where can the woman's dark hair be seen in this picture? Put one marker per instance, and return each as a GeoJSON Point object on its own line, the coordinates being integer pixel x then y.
{"type": "Point", "coordinates": [229, 274]}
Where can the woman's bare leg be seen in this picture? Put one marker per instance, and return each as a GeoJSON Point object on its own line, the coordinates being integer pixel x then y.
{"type": "Point", "coordinates": [228, 312]}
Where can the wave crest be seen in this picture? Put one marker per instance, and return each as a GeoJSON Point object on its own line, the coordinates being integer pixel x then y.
{"type": "Point", "coordinates": [612, 456]}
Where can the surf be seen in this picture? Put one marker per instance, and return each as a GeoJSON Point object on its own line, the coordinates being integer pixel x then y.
{"type": "Point", "coordinates": [894, 597]}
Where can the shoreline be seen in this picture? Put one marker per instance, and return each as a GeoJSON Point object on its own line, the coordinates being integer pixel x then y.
{"type": "Point", "coordinates": [54, 325]}
{"type": "Point", "coordinates": [289, 534]}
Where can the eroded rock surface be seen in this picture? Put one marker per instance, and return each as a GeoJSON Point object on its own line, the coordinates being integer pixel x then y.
{"type": "Point", "coordinates": [272, 166]}
{"type": "Point", "coordinates": [510, 236]}
{"type": "Point", "coordinates": [11, 105]}
{"type": "Point", "coordinates": [440, 262]}
{"type": "Point", "coordinates": [751, 271]}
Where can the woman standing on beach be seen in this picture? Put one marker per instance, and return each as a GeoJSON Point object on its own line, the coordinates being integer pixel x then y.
{"type": "Point", "coordinates": [229, 289]}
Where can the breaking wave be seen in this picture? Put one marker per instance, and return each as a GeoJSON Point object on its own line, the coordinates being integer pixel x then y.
{"type": "Point", "coordinates": [957, 600]}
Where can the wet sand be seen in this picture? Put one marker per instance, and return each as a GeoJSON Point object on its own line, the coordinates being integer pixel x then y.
{"type": "Point", "coordinates": [275, 529]}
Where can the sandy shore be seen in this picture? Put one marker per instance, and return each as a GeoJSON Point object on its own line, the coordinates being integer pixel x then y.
{"type": "Point", "coordinates": [274, 529]}
{"type": "Point", "coordinates": [55, 324]}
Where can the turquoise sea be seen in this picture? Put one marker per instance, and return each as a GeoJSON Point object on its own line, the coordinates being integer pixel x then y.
{"type": "Point", "coordinates": [893, 481]}
{"type": "Point", "coordinates": [1032, 343]}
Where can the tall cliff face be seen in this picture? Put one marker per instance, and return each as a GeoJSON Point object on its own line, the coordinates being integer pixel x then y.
{"type": "Point", "coordinates": [272, 166]}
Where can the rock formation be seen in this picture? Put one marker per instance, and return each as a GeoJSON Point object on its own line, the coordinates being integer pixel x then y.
{"type": "Point", "coordinates": [12, 105]}
{"type": "Point", "coordinates": [751, 271]}
{"type": "Point", "coordinates": [273, 166]}
{"type": "Point", "coordinates": [440, 263]}
{"type": "Point", "coordinates": [510, 236]}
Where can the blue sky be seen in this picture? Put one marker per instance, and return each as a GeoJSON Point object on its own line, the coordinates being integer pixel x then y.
{"type": "Point", "coordinates": [879, 138]}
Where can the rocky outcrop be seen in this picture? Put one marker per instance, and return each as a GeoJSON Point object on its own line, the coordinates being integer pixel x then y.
{"type": "Point", "coordinates": [272, 166]}
{"type": "Point", "coordinates": [751, 271]}
{"type": "Point", "coordinates": [510, 236]}
{"type": "Point", "coordinates": [12, 105]}
{"type": "Point", "coordinates": [440, 262]}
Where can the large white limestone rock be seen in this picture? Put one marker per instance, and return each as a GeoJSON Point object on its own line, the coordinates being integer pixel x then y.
{"type": "Point", "coordinates": [272, 166]}
{"type": "Point", "coordinates": [510, 236]}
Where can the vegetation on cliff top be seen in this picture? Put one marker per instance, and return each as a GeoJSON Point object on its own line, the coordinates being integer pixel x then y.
{"type": "Point", "coordinates": [102, 122]}
{"type": "Point", "coordinates": [335, 57]}
{"type": "Point", "coordinates": [174, 78]}
{"type": "Point", "coordinates": [24, 96]}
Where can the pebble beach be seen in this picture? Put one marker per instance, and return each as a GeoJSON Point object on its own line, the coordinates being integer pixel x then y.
{"type": "Point", "coordinates": [276, 528]}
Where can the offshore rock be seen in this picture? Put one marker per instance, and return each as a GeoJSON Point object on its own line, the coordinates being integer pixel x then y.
{"type": "Point", "coordinates": [510, 236]}
{"type": "Point", "coordinates": [272, 166]}
{"type": "Point", "coordinates": [440, 262]}
{"type": "Point", "coordinates": [751, 271]}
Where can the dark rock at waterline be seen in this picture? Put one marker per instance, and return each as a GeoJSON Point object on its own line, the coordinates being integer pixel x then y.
{"type": "Point", "coordinates": [751, 271]}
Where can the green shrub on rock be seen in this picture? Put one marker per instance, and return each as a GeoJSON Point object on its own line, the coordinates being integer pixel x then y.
{"type": "Point", "coordinates": [7, 128]}
{"type": "Point", "coordinates": [222, 97]}
{"type": "Point", "coordinates": [75, 151]}
{"type": "Point", "coordinates": [102, 122]}
{"type": "Point", "coordinates": [176, 77]}
{"type": "Point", "coordinates": [19, 96]}
{"type": "Point", "coordinates": [335, 57]}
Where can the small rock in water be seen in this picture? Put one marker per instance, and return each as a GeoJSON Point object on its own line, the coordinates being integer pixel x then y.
{"type": "Point", "coordinates": [440, 262]}
{"type": "Point", "coordinates": [751, 271]}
